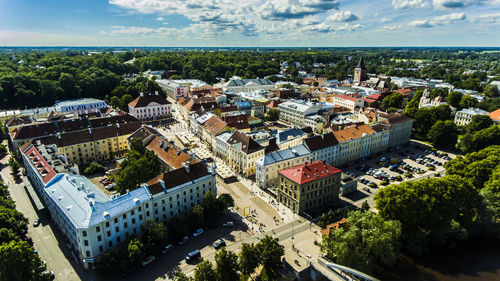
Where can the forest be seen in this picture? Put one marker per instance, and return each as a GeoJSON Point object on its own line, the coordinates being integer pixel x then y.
{"type": "Point", "coordinates": [37, 78]}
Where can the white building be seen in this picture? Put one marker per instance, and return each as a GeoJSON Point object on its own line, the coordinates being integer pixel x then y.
{"type": "Point", "coordinates": [80, 106]}
{"type": "Point", "coordinates": [93, 222]}
{"type": "Point", "coordinates": [295, 111]}
{"type": "Point", "coordinates": [464, 116]}
{"type": "Point", "coordinates": [242, 153]}
{"type": "Point", "coordinates": [267, 167]}
{"type": "Point", "coordinates": [174, 89]}
{"type": "Point", "coordinates": [348, 102]}
{"type": "Point", "coordinates": [150, 107]}
{"type": "Point", "coordinates": [247, 85]}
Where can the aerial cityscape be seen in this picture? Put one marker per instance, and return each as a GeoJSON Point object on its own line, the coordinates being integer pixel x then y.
{"type": "Point", "coordinates": [260, 140]}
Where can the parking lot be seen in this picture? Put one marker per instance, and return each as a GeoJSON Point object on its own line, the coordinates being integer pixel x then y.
{"type": "Point", "coordinates": [411, 162]}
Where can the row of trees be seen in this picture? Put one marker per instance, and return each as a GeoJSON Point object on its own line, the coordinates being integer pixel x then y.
{"type": "Point", "coordinates": [232, 267]}
{"type": "Point", "coordinates": [18, 261]}
{"type": "Point", "coordinates": [154, 236]}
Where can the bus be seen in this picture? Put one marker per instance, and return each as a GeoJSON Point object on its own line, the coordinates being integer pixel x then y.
{"type": "Point", "coordinates": [193, 256]}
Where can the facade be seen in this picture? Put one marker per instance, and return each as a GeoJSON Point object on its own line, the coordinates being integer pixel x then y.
{"type": "Point", "coordinates": [358, 142]}
{"type": "Point", "coordinates": [348, 184]}
{"type": "Point", "coordinates": [323, 147]}
{"type": "Point", "coordinates": [348, 102]}
{"type": "Point", "coordinates": [171, 156]}
{"type": "Point", "coordinates": [267, 167]}
{"type": "Point", "coordinates": [308, 187]}
{"type": "Point", "coordinates": [80, 106]}
{"type": "Point", "coordinates": [242, 152]}
{"type": "Point", "coordinates": [289, 138]}
{"type": "Point", "coordinates": [399, 128]}
{"type": "Point", "coordinates": [92, 222]}
{"type": "Point", "coordinates": [295, 111]}
{"type": "Point", "coordinates": [213, 127]}
{"type": "Point", "coordinates": [464, 116]}
{"type": "Point", "coordinates": [247, 85]}
{"type": "Point", "coordinates": [150, 107]}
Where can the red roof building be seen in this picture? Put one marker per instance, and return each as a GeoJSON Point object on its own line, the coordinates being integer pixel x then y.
{"type": "Point", "coordinates": [309, 187]}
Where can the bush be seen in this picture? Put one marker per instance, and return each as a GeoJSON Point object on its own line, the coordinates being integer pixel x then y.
{"type": "Point", "coordinates": [432, 168]}
{"type": "Point", "coordinates": [408, 175]}
{"type": "Point", "coordinates": [399, 178]}
{"type": "Point", "coordinates": [373, 185]}
{"type": "Point", "coordinates": [94, 168]}
{"type": "Point", "coordinates": [420, 172]}
{"type": "Point", "coordinates": [384, 182]}
{"type": "Point", "coordinates": [3, 150]}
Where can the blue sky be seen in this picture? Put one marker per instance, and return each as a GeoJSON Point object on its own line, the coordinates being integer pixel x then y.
{"type": "Point", "coordinates": [250, 23]}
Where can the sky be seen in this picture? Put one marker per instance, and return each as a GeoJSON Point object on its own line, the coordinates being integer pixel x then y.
{"type": "Point", "coordinates": [254, 23]}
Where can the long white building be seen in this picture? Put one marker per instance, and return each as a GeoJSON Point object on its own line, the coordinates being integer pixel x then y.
{"type": "Point", "coordinates": [295, 111]}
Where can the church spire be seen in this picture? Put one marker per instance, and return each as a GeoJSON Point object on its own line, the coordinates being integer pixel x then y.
{"type": "Point", "coordinates": [361, 63]}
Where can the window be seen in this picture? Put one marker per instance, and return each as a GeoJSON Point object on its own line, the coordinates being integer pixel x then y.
{"type": "Point", "coordinates": [108, 233]}
{"type": "Point", "coordinates": [99, 238]}
{"type": "Point", "coordinates": [100, 249]}
{"type": "Point", "coordinates": [147, 214]}
{"type": "Point", "coordinates": [98, 229]}
{"type": "Point", "coordinates": [156, 205]}
{"type": "Point", "coordinates": [147, 205]}
{"type": "Point", "coordinates": [87, 253]}
{"type": "Point", "coordinates": [133, 221]}
{"type": "Point", "coordinates": [133, 212]}
{"type": "Point", "coordinates": [116, 220]}
{"type": "Point", "coordinates": [117, 229]}
{"type": "Point", "coordinates": [125, 225]}
{"type": "Point", "coordinates": [85, 242]}
{"type": "Point", "coordinates": [84, 233]}
{"type": "Point", "coordinates": [118, 239]}
{"type": "Point", "coordinates": [124, 216]}
{"type": "Point", "coordinates": [140, 217]}
{"type": "Point", "coordinates": [140, 209]}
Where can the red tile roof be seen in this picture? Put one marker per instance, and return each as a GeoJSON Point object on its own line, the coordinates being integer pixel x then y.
{"type": "Point", "coordinates": [168, 153]}
{"type": "Point", "coordinates": [145, 100]}
{"type": "Point", "coordinates": [495, 115]}
{"type": "Point", "coordinates": [353, 132]}
{"type": "Point", "coordinates": [43, 168]}
{"type": "Point", "coordinates": [346, 97]}
{"type": "Point", "coordinates": [309, 172]}
{"type": "Point", "coordinates": [335, 225]}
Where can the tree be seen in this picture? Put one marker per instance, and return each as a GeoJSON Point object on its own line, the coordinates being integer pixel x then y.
{"type": "Point", "coordinates": [180, 276]}
{"type": "Point", "coordinates": [153, 236]}
{"type": "Point", "coordinates": [135, 253]}
{"type": "Point", "coordinates": [365, 206]}
{"type": "Point", "coordinates": [226, 265]}
{"type": "Point", "coordinates": [412, 106]}
{"type": "Point", "coordinates": [3, 150]}
{"type": "Point", "coordinates": [437, 211]}
{"type": "Point", "coordinates": [454, 98]}
{"type": "Point", "coordinates": [441, 112]}
{"type": "Point", "coordinates": [273, 114]}
{"type": "Point", "coordinates": [394, 100]}
{"type": "Point", "coordinates": [14, 166]}
{"type": "Point", "coordinates": [137, 145]}
{"type": "Point", "coordinates": [226, 201]}
{"type": "Point", "coordinates": [354, 246]}
{"type": "Point", "coordinates": [175, 227]}
{"type": "Point", "coordinates": [491, 91]}
{"type": "Point", "coordinates": [196, 216]}
{"type": "Point", "coordinates": [270, 252]}
{"type": "Point", "coordinates": [211, 206]}
{"type": "Point", "coordinates": [18, 261]}
{"type": "Point", "coordinates": [204, 271]}
{"type": "Point", "coordinates": [423, 120]}
{"type": "Point", "coordinates": [467, 102]}
{"type": "Point", "coordinates": [248, 259]}
{"type": "Point", "coordinates": [476, 141]}
{"type": "Point", "coordinates": [443, 134]}
{"type": "Point", "coordinates": [94, 168]}
{"type": "Point", "coordinates": [479, 122]}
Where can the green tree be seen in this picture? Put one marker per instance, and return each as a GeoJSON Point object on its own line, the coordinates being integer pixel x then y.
{"type": "Point", "coordinates": [394, 100]}
{"type": "Point", "coordinates": [443, 134]}
{"type": "Point", "coordinates": [454, 98]}
{"type": "Point", "coordinates": [204, 271]}
{"type": "Point", "coordinates": [249, 259]}
{"type": "Point", "coordinates": [180, 276]}
{"type": "Point", "coordinates": [94, 168]}
{"type": "Point", "coordinates": [175, 227]}
{"type": "Point", "coordinates": [270, 252]}
{"type": "Point", "coordinates": [3, 150]}
{"type": "Point", "coordinates": [491, 91]}
{"type": "Point", "coordinates": [226, 200]}
{"type": "Point", "coordinates": [196, 216]}
{"type": "Point", "coordinates": [137, 145]}
{"type": "Point", "coordinates": [467, 102]}
{"type": "Point", "coordinates": [211, 206]}
{"type": "Point", "coordinates": [479, 122]}
{"type": "Point", "coordinates": [365, 240]}
{"type": "Point", "coordinates": [365, 206]}
{"type": "Point", "coordinates": [412, 106]}
{"type": "Point", "coordinates": [153, 236]}
{"type": "Point", "coordinates": [18, 261]}
{"type": "Point", "coordinates": [273, 114]}
{"type": "Point", "coordinates": [226, 265]}
{"type": "Point", "coordinates": [13, 165]}
{"type": "Point", "coordinates": [135, 252]}
{"type": "Point", "coordinates": [423, 120]}
{"type": "Point", "coordinates": [476, 141]}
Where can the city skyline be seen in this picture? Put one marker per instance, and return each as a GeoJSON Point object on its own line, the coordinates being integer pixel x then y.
{"type": "Point", "coordinates": [221, 23]}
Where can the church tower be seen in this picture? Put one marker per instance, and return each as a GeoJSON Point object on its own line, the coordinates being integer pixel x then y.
{"type": "Point", "coordinates": [360, 72]}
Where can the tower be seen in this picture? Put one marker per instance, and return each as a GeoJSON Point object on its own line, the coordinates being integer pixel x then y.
{"type": "Point", "coordinates": [360, 72]}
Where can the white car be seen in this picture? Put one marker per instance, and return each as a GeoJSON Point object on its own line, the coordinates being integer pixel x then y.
{"type": "Point", "coordinates": [167, 248]}
{"type": "Point", "coordinates": [198, 232]}
{"type": "Point", "coordinates": [148, 260]}
{"type": "Point", "coordinates": [229, 223]}
{"type": "Point", "coordinates": [184, 240]}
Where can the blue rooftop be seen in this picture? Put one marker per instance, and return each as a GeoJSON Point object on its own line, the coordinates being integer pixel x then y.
{"type": "Point", "coordinates": [243, 104]}
{"type": "Point", "coordinates": [296, 151]}
{"type": "Point", "coordinates": [292, 133]}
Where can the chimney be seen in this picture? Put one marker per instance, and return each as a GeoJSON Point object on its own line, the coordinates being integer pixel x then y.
{"type": "Point", "coordinates": [186, 166]}
{"type": "Point", "coordinates": [142, 94]}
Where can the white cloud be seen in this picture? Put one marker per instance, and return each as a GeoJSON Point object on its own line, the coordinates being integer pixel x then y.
{"type": "Point", "coordinates": [439, 20]}
{"type": "Point", "coordinates": [409, 4]}
{"type": "Point", "coordinates": [295, 9]}
{"type": "Point", "coordinates": [486, 18]}
{"type": "Point", "coordinates": [137, 31]}
{"type": "Point", "coordinates": [160, 19]}
{"type": "Point", "coordinates": [392, 27]}
{"type": "Point", "coordinates": [385, 19]}
{"type": "Point", "coordinates": [342, 16]}
{"type": "Point", "coordinates": [458, 4]}
{"type": "Point", "coordinates": [350, 27]}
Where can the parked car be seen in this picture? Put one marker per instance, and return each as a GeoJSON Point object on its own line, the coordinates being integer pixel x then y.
{"type": "Point", "coordinates": [148, 260]}
{"type": "Point", "coordinates": [219, 244]}
{"type": "Point", "coordinates": [184, 240]}
{"type": "Point", "coordinates": [198, 232]}
{"type": "Point", "coordinates": [193, 256]}
{"type": "Point", "coordinates": [36, 223]}
{"type": "Point", "coordinates": [366, 189]}
{"type": "Point", "coordinates": [168, 248]}
{"type": "Point", "coordinates": [228, 223]}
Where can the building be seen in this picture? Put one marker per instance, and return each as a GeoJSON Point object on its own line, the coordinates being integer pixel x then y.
{"type": "Point", "coordinates": [178, 191]}
{"type": "Point", "coordinates": [464, 116]}
{"type": "Point", "coordinates": [171, 156]}
{"type": "Point", "coordinates": [323, 147]}
{"type": "Point", "coordinates": [495, 116]}
{"type": "Point", "coordinates": [399, 128]}
{"type": "Point", "coordinates": [309, 187]}
{"type": "Point", "coordinates": [80, 106]}
{"type": "Point", "coordinates": [242, 152]}
{"type": "Point", "coordinates": [290, 138]}
{"type": "Point", "coordinates": [267, 167]}
{"type": "Point", "coordinates": [349, 102]}
{"type": "Point", "coordinates": [247, 85]}
{"type": "Point", "coordinates": [92, 222]}
{"type": "Point", "coordinates": [173, 89]}
{"type": "Point", "coordinates": [213, 127]}
{"type": "Point", "coordinates": [359, 142]}
{"type": "Point", "coordinates": [295, 111]}
{"type": "Point", "coordinates": [244, 106]}
{"type": "Point", "coordinates": [348, 184]}
{"type": "Point", "coordinates": [150, 107]}
{"type": "Point", "coordinates": [360, 72]}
